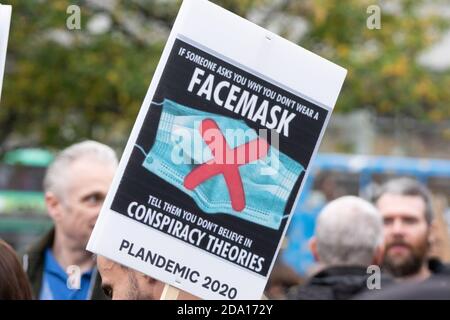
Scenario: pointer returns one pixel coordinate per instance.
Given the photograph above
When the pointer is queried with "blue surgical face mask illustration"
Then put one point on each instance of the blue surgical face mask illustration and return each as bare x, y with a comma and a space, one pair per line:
183, 157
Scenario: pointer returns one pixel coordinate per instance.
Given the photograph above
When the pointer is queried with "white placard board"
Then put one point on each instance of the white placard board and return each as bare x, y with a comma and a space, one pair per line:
5, 18
176, 212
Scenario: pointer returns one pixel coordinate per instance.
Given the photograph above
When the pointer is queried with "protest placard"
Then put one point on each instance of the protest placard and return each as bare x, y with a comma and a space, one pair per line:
217, 156
5, 18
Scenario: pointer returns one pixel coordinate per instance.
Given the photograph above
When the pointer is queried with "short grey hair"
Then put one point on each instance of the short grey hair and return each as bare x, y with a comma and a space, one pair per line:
55, 180
407, 187
348, 232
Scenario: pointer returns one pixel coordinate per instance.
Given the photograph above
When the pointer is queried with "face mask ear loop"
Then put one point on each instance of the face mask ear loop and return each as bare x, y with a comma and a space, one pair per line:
142, 149
138, 146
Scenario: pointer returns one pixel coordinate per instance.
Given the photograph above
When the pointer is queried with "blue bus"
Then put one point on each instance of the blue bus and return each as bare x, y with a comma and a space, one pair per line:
335, 175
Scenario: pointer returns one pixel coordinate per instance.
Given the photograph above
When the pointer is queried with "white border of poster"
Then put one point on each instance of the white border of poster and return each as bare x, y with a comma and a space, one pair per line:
296, 69
5, 18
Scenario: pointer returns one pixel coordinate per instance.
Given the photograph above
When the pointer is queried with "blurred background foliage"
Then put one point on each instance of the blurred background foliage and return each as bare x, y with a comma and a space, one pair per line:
65, 85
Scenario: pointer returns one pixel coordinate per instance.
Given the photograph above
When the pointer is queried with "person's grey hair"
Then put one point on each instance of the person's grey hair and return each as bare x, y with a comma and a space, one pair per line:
348, 232
407, 187
55, 180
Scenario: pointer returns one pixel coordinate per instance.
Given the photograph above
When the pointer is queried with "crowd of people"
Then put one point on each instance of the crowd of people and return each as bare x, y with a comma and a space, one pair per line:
376, 249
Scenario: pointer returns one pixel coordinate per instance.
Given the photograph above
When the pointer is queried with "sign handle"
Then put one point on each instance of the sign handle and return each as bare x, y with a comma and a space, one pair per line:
170, 293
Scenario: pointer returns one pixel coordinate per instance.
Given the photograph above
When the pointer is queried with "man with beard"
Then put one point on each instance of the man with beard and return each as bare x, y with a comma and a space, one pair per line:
407, 212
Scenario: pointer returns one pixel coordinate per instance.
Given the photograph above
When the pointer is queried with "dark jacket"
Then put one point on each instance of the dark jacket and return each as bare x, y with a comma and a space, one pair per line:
334, 283
437, 287
33, 264
438, 268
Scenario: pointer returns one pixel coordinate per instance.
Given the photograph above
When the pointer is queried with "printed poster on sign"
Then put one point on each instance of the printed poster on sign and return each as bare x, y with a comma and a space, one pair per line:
212, 169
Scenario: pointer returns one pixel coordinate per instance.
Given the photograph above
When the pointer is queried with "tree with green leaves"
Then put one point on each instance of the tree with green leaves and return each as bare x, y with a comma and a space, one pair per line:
62, 85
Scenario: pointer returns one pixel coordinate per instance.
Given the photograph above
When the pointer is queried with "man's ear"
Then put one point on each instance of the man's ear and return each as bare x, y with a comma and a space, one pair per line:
313, 247
53, 205
435, 239
378, 255
433, 234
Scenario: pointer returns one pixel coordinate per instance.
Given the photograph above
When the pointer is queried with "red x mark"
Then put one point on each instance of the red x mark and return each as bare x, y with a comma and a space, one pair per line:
221, 163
